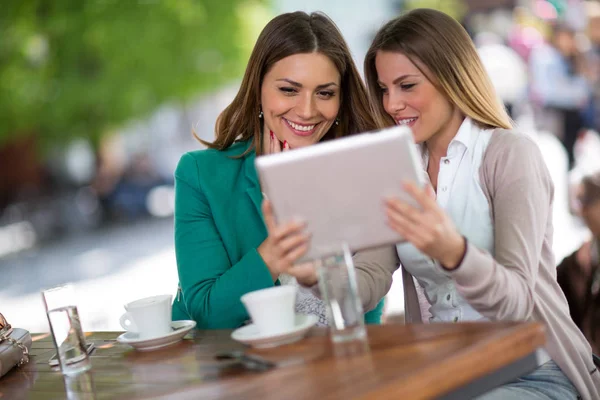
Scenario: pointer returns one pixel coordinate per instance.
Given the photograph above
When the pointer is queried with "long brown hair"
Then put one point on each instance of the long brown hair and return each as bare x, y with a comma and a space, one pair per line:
286, 35
435, 40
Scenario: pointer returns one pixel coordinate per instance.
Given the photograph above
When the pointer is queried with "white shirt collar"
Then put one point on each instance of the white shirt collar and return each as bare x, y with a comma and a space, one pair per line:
462, 140
464, 135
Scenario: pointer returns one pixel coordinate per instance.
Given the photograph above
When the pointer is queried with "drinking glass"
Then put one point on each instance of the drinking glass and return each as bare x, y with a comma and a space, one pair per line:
80, 386
339, 290
63, 317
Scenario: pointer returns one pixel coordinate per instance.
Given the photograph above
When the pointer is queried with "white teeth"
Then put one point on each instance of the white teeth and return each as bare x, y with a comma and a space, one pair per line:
301, 127
406, 121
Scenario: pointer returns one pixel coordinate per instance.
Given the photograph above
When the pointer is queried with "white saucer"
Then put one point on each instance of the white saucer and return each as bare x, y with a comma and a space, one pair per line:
250, 335
180, 328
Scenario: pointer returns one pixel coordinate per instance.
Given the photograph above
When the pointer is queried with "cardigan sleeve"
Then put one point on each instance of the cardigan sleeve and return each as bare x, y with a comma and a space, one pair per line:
211, 284
374, 275
374, 271
520, 190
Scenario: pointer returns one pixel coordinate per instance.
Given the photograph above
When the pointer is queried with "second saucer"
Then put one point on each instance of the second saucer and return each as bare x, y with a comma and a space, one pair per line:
251, 336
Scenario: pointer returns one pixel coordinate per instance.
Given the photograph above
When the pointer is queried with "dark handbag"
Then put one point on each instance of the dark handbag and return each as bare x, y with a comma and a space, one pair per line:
15, 344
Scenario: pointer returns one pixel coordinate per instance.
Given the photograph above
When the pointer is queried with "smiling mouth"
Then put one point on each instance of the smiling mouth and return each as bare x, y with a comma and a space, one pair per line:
299, 129
406, 121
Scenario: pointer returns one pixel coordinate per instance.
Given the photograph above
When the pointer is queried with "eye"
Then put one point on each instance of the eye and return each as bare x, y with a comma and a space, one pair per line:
406, 86
383, 90
288, 90
326, 94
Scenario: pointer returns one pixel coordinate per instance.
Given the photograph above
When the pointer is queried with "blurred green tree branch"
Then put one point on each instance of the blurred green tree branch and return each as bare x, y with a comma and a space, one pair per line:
454, 8
76, 68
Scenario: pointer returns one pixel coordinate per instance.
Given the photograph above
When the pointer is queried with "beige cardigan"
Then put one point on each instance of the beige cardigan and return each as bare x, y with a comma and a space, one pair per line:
519, 283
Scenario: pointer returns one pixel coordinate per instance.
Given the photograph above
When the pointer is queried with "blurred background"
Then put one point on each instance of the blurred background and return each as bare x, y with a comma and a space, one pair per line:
98, 100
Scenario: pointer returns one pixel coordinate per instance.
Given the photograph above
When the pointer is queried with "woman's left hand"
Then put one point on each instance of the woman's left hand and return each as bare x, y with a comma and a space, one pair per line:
305, 273
429, 229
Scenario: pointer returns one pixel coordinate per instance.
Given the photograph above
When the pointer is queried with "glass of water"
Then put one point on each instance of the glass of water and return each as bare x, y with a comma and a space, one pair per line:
337, 282
80, 386
63, 317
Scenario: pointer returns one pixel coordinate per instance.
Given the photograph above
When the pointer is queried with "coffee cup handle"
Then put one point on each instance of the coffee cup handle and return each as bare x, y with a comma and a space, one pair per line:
127, 322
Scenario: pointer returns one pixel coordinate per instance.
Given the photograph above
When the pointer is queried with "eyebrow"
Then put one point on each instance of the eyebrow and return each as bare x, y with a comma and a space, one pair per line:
299, 85
399, 79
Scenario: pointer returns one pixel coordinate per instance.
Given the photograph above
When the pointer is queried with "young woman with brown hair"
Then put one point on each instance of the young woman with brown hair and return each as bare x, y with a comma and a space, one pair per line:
300, 87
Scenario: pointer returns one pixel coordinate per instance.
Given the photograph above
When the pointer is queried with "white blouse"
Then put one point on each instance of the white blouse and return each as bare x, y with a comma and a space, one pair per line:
460, 194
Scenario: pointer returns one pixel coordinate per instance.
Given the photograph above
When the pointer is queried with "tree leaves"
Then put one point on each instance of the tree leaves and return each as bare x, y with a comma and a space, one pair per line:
71, 68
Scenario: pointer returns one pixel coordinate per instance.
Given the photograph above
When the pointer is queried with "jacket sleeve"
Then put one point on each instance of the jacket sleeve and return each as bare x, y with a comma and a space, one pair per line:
521, 193
211, 284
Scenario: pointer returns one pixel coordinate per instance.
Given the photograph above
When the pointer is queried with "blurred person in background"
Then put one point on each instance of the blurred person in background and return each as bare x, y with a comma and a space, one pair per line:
129, 198
300, 87
559, 89
481, 245
593, 56
579, 273
505, 67
587, 146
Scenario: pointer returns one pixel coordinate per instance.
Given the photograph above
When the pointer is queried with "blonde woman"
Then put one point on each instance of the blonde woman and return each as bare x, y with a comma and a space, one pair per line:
480, 245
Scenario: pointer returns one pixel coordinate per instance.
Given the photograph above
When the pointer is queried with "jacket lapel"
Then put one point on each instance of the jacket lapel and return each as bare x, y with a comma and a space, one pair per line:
255, 193
253, 190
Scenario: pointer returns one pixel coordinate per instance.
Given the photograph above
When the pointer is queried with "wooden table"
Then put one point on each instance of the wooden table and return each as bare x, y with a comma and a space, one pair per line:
410, 362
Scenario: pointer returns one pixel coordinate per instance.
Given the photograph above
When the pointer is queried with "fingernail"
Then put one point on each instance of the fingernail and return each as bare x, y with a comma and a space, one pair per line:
272, 136
285, 144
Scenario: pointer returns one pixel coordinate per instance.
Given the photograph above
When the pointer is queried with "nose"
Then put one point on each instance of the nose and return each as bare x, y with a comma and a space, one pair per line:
394, 102
306, 107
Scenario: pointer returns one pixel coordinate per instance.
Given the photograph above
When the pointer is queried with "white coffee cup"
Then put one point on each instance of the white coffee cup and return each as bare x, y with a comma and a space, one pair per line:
272, 310
148, 317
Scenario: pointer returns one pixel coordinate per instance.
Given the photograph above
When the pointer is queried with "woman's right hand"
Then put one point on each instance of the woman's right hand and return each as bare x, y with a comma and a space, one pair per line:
275, 146
285, 244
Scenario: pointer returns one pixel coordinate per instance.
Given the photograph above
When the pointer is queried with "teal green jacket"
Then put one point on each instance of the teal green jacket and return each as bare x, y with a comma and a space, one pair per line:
218, 228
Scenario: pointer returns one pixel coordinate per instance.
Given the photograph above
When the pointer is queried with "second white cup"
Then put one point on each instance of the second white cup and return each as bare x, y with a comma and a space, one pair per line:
273, 309
148, 317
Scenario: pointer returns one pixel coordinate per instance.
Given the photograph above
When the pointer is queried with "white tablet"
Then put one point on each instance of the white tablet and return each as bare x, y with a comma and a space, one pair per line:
338, 187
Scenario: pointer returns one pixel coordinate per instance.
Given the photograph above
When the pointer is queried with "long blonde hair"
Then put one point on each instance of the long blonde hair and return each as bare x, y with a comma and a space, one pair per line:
286, 35
435, 40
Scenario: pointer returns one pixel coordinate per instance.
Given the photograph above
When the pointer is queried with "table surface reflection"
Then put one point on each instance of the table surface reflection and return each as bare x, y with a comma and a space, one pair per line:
402, 361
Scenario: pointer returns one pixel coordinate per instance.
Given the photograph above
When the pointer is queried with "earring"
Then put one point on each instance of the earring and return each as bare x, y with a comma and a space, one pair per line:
260, 114
337, 121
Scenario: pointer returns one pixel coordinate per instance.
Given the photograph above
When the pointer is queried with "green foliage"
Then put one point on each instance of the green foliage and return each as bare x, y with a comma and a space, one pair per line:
73, 68
455, 8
